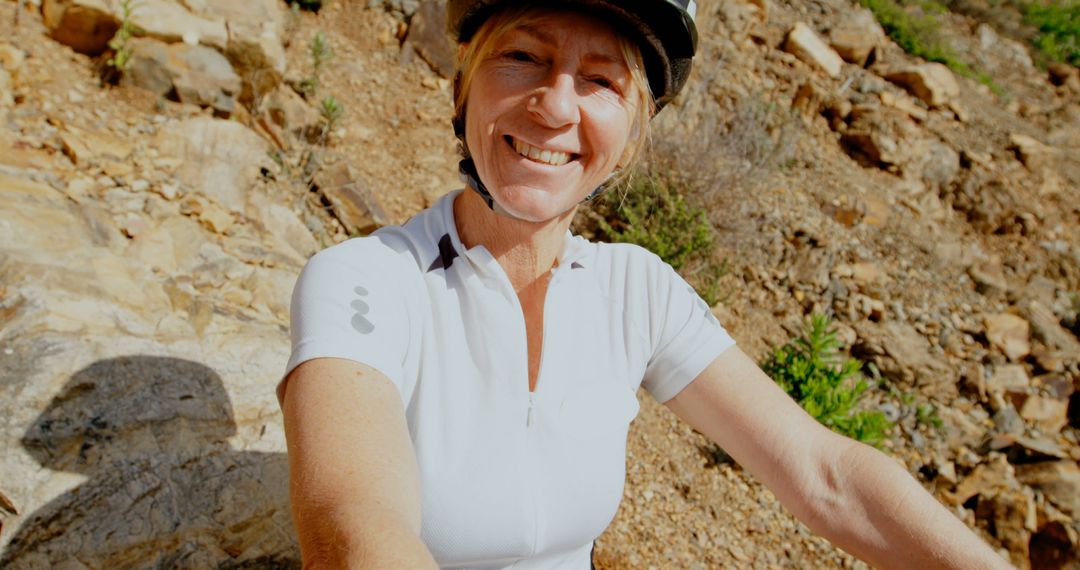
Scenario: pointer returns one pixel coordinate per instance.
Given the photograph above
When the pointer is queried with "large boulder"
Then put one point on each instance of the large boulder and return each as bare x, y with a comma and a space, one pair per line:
931, 82
248, 32
85, 25
219, 159
354, 203
804, 44
856, 37
140, 423
427, 37
198, 75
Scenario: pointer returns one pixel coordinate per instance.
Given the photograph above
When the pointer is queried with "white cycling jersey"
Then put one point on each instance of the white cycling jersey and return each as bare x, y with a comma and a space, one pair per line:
509, 478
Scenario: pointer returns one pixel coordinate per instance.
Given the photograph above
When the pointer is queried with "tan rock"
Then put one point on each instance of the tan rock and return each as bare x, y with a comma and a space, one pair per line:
255, 46
1013, 517
1059, 481
1010, 334
85, 25
171, 22
290, 113
354, 204
285, 226
154, 247
857, 36
220, 159
903, 355
1035, 155
989, 278
1048, 414
427, 36
7, 97
987, 480
13, 60
931, 82
1008, 377
84, 147
195, 74
865, 273
1047, 329
904, 104
803, 43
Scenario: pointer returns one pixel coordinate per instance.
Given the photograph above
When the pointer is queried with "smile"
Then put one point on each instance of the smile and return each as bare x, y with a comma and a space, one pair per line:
543, 156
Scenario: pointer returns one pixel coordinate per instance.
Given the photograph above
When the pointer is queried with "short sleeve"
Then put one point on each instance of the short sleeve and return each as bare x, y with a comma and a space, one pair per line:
351, 302
686, 336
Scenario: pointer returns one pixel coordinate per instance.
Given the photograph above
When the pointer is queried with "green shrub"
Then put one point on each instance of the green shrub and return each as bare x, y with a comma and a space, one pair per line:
654, 214
659, 219
1058, 25
809, 370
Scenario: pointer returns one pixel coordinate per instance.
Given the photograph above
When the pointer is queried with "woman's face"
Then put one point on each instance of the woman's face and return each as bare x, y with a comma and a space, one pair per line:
549, 113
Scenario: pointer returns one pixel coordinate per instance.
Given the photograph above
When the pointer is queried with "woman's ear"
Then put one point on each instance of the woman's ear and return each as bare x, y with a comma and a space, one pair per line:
461, 49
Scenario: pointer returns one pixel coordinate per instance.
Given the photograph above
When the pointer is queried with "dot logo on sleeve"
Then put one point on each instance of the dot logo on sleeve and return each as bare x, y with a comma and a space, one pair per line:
359, 321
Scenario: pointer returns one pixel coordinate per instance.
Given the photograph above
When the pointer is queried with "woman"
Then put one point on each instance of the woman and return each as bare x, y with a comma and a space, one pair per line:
479, 364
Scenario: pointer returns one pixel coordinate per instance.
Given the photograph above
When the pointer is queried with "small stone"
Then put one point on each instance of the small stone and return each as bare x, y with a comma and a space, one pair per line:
857, 36
168, 191
803, 43
1035, 155
989, 278
1047, 329
1059, 481
931, 82
1048, 414
1008, 377
1007, 421
140, 185
1010, 334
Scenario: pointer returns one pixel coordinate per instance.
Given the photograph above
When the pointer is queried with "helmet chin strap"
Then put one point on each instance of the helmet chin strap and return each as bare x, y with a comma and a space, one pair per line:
469, 176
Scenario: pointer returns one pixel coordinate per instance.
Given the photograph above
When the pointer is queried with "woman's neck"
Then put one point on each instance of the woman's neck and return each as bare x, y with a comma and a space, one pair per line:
525, 250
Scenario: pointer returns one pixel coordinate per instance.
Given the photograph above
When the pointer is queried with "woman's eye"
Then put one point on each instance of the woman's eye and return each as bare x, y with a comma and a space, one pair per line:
518, 55
603, 82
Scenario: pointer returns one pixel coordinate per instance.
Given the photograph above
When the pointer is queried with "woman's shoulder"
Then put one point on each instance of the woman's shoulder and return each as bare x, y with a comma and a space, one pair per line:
626, 258
400, 248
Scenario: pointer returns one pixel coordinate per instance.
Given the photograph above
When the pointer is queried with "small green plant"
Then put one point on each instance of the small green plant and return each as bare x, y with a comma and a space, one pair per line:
1058, 25
927, 415
320, 53
810, 371
331, 111
120, 44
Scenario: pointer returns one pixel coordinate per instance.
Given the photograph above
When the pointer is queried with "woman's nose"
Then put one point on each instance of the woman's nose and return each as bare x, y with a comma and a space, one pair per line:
556, 103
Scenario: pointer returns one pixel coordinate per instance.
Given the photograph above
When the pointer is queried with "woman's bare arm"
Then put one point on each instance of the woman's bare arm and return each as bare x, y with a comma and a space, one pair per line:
846, 491
353, 479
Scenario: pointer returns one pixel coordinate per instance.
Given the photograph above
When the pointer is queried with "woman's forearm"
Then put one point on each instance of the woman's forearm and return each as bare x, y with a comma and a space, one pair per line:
370, 541
881, 514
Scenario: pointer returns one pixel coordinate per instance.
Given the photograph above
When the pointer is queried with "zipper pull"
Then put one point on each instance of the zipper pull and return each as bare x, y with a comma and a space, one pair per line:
529, 414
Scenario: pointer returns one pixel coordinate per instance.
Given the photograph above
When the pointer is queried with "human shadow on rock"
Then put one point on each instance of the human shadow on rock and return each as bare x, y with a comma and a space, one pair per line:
164, 488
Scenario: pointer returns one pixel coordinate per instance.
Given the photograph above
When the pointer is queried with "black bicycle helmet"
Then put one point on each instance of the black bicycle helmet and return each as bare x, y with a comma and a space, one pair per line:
665, 30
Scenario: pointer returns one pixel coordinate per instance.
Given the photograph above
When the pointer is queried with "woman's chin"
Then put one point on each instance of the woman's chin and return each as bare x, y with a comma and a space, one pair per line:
534, 205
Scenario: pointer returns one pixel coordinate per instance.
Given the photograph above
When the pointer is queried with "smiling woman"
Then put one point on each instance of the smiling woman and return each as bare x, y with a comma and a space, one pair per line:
461, 386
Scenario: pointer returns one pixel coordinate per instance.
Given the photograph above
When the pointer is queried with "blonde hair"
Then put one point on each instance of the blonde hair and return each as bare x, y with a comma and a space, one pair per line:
483, 43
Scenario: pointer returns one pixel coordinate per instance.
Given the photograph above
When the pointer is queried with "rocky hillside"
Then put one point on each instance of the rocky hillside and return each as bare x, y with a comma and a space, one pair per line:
152, 222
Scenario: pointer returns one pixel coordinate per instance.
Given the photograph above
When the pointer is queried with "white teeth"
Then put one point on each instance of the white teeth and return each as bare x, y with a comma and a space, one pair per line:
539, 155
